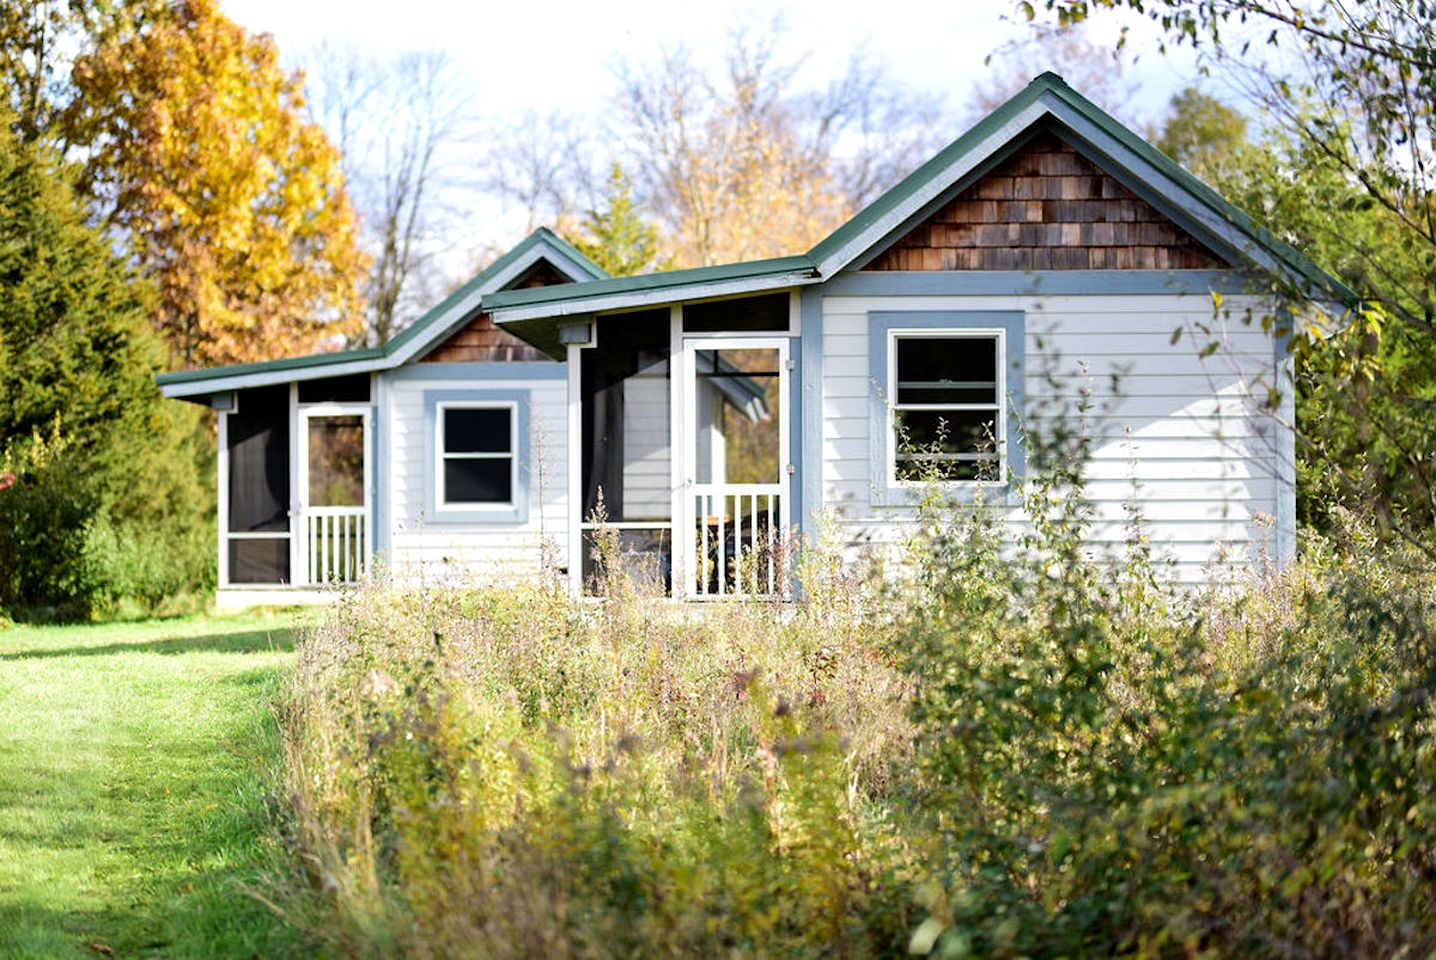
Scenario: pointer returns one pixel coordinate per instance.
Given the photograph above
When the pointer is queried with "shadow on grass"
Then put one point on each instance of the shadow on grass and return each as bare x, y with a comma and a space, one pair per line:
247, 641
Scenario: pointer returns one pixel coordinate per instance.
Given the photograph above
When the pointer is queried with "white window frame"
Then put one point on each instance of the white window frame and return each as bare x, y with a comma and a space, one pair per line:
441, 501
999, 407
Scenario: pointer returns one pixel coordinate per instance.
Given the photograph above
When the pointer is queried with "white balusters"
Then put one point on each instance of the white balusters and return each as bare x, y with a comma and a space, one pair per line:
338, 544
736, 540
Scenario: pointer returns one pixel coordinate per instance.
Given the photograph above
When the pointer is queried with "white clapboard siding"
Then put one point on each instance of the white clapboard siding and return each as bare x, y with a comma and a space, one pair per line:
423, 551
1189, 440
647, 467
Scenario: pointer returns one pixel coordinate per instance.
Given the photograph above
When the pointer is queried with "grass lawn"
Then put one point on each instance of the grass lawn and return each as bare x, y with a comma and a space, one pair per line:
134, 761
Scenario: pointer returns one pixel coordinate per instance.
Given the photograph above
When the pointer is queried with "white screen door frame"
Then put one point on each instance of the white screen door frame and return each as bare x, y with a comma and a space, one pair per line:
712, 543
331, 544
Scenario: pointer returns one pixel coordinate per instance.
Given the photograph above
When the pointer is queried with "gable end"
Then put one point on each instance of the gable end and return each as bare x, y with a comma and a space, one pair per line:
480, 341
1046, 207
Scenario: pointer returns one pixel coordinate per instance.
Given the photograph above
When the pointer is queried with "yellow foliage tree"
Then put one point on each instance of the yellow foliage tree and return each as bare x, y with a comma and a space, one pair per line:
747, 192
735, 167
197, 154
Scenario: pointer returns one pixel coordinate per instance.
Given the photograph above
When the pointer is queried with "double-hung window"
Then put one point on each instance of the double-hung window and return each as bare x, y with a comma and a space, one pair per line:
948, 423
477, 462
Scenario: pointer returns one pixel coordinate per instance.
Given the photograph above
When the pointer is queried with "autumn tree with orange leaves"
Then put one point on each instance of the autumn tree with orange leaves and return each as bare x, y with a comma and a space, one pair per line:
196, 156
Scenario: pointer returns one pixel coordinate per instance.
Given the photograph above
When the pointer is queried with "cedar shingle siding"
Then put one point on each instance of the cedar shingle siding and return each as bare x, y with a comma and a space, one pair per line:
479, 341
1047, 207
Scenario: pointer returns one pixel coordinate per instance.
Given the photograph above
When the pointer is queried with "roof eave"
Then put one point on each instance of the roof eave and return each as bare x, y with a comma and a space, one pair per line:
583, 304
183, 385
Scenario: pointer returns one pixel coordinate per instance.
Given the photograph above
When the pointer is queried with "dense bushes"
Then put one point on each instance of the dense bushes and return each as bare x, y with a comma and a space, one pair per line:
1016, 753
109, 490
1106, 774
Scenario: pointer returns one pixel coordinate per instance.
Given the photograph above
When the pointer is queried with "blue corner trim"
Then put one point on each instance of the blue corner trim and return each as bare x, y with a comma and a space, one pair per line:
383, 470
1013, 324
518, 512
1037, 282
525, 370
795, 429
810, 413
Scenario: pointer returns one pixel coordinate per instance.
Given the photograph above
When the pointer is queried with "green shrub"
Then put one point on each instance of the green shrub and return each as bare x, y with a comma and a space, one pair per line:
107, 496
1105, 773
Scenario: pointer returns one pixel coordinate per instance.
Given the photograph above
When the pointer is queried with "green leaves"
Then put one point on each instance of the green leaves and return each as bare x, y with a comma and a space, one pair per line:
1132, 775
110, 501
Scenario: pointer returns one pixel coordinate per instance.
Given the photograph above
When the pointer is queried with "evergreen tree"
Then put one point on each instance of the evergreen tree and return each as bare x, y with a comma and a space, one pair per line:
618, 238
105, 494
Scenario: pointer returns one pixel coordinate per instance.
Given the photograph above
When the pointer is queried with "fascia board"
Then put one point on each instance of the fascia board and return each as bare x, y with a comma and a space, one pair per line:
190, 389
651, 297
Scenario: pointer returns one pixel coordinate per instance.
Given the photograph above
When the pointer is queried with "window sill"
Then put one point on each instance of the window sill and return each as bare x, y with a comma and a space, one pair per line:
500, 513
998, 493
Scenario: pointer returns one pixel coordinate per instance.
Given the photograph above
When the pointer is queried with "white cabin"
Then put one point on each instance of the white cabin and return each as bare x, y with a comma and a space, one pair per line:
719, 413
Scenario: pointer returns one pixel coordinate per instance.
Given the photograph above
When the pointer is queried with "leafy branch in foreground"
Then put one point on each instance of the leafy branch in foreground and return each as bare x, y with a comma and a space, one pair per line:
1345, 170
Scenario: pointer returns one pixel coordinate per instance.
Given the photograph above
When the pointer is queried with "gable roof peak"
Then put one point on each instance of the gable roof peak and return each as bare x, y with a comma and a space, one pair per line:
1151, 174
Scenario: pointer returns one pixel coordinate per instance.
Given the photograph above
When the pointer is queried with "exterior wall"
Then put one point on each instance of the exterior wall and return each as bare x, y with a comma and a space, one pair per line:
1180, 435
424, 547
647, 466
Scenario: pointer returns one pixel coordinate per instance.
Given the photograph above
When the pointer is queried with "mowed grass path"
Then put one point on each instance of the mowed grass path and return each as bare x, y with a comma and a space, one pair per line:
134, 762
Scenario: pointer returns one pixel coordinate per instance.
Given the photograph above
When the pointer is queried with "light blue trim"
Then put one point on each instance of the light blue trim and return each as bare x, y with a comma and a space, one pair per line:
1284, 380
810, 412
519, 512
794, 400
1037, 282
880, 323
382, 470
524, 370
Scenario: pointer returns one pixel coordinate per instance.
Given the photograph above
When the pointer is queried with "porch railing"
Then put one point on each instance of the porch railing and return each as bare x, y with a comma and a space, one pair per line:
738, 539
337, 544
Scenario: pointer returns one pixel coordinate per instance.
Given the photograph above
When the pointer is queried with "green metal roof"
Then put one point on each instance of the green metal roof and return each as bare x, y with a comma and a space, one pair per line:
419, 328
828, 258
866, 218
1293, 258
265, 366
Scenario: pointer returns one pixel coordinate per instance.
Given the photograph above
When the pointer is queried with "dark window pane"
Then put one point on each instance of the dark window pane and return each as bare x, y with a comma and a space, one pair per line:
477, 431
258, 440
923, 470
946, 370
625, 388
486, 480
259, 561
350, 389
946, 431
769, 313
946, 445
